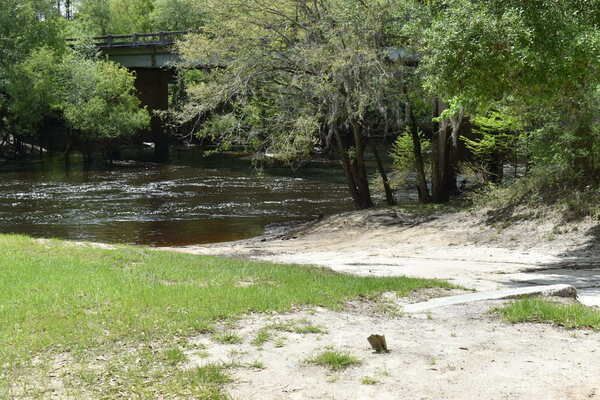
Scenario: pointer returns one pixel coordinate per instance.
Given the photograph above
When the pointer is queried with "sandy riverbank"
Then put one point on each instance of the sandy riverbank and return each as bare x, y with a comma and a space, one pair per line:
467, 248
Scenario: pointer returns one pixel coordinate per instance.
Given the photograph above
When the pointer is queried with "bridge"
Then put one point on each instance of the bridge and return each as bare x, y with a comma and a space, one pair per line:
151, 57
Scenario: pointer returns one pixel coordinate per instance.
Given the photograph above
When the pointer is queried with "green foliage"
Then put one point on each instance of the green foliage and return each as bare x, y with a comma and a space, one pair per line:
539, 310
178, 15
534, 50
102, 17
100, 98
498, 132
539, 58
499, 135
24, 26
36, 89
403, 156
96, 98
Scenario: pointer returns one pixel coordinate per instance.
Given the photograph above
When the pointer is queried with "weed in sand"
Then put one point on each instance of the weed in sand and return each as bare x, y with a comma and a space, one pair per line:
262, 337
539, 310
388, 308
202, 327
257, 364
211, 374
228, 338
202, 354
334, 360
369, 381
302, 326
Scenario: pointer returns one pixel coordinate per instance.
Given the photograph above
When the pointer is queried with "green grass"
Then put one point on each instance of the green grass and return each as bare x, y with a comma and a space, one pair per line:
228, 338
262, 337
334, 360
212, 374
539, 310
257, 364
174, 356
301, 326
369, 381
58, 297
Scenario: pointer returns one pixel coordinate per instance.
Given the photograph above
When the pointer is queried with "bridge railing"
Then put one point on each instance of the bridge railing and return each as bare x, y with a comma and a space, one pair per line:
138, 39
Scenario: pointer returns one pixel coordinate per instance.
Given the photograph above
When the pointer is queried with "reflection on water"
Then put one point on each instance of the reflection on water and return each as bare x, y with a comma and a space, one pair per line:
196, 201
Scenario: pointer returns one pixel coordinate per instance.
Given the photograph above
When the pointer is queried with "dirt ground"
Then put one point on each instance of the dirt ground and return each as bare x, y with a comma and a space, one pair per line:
455, 352
459, 352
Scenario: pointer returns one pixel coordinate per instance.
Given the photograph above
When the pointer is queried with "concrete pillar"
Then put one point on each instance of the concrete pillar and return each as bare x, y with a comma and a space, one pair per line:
152, 85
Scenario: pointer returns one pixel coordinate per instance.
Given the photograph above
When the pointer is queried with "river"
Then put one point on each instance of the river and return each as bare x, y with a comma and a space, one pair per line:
192, 200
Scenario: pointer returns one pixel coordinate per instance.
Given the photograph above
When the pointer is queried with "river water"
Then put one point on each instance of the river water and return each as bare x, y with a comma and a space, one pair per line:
193, 200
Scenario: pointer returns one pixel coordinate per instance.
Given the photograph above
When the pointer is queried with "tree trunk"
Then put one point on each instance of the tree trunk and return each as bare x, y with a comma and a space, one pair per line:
355, 179
389, 196
439, 165
361, 178
443, 175
347, 168
422, 189
495, 169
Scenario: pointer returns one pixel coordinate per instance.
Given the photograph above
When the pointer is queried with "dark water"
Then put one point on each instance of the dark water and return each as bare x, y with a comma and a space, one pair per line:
191, 201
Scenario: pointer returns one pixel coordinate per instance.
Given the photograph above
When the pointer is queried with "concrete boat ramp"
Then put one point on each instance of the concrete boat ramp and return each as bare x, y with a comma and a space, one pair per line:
547, 290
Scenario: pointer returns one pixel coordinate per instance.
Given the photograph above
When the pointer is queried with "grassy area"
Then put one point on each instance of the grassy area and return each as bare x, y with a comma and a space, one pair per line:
118, 310
539, 310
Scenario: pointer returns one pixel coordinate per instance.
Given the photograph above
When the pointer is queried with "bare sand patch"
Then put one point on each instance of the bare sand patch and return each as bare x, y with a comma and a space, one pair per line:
459, 352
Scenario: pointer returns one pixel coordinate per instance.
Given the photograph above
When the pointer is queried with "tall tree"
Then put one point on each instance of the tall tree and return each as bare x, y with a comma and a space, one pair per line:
24, 26
95, 97
294, 73
539, 56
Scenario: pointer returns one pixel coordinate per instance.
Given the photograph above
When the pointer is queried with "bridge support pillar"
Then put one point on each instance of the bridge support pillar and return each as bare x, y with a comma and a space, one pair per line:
152, 85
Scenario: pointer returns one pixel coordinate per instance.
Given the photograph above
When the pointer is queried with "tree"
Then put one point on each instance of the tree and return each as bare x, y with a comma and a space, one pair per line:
540, 57
498, 133
178, 15
100, 101
95, 16
24, 26
96, 98
293, 74
103, 17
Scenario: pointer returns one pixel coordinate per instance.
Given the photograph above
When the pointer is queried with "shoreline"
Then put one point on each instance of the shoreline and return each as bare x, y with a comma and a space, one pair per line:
461, 247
